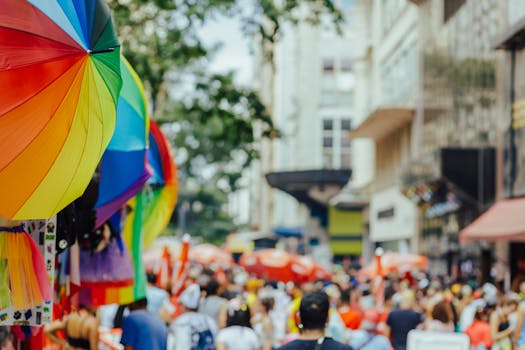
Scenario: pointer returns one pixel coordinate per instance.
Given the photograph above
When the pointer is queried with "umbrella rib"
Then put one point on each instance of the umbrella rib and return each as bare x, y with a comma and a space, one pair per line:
44, 126
56, 58
79, 48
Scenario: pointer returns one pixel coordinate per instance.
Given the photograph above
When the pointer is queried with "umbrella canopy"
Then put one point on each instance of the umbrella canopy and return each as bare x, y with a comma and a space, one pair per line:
208, 254
60, 73
270, 264
395, 263
159, 195
306, 269
123, 170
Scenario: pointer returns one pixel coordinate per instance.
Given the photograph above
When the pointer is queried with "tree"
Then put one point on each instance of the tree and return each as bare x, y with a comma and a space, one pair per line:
213, 119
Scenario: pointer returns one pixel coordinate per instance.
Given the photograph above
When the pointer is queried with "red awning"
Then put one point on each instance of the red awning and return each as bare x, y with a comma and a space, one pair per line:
505, 220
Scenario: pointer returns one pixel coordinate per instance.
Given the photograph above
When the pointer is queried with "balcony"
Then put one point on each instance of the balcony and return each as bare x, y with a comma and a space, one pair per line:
382, 122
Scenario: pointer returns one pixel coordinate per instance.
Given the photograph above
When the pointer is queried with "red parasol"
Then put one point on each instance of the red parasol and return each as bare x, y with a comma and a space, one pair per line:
210, 255
394, 263
306, 269
269, 264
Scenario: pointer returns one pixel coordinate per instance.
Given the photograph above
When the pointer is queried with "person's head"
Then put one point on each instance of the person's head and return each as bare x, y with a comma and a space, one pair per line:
152, 278
345, 296
253, 285
509, 306
212, 287
140, 304
90, 309
481, 314
313, 311
371, 319
264, 305
407, 300
442, 312
190, 298
6, 338
238, 313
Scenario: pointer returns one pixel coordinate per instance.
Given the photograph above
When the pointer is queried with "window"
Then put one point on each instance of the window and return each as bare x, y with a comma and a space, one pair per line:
336, 149
346, 65
451, 7
328, 65
328, 124
328, 142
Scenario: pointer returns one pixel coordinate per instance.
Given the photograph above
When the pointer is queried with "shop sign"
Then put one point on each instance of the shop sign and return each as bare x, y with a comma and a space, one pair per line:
518, 114
392, 216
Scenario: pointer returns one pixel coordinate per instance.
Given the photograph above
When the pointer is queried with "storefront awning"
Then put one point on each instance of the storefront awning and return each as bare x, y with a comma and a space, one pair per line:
382, 122
288, 231
505, 220
310, 187
513, 39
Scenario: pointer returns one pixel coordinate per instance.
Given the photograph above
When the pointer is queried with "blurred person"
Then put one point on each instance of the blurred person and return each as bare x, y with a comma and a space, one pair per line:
211, 303
157, 297
368, 336
142, 329
111, 315
500, 327
351, 317
336, 327
519, 335
252, 288
193, 330
80, 327
313, 317
263, 323
468, 312
479, 331
295, 294
7, 340
402, 321
279, 313
441, 318
238, 334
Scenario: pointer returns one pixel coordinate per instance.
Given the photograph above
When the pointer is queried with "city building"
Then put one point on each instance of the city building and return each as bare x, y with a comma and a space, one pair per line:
430, 78
310, 91
503, 223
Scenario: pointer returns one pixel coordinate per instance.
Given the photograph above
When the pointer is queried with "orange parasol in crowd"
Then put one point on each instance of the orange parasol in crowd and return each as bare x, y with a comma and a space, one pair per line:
394, 263
306, 269
210, 255
269, 264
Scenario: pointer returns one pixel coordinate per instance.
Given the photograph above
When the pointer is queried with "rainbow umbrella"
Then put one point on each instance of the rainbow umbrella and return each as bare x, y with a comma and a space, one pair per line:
155, 203
60, 78
123, 170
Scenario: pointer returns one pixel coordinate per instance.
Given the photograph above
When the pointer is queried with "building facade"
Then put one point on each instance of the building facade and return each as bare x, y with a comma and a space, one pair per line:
431, 80
310, 90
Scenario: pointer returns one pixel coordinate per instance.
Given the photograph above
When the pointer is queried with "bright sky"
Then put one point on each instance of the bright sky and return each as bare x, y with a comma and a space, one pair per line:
234, 54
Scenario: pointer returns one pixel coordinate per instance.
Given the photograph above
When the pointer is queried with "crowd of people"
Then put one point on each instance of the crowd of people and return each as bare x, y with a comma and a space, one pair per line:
237, 312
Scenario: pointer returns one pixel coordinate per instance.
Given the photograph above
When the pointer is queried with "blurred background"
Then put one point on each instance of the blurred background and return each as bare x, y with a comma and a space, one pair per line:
334, 127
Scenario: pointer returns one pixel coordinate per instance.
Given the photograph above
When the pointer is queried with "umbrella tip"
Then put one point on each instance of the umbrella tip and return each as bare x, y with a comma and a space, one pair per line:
379, 251
93, 52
